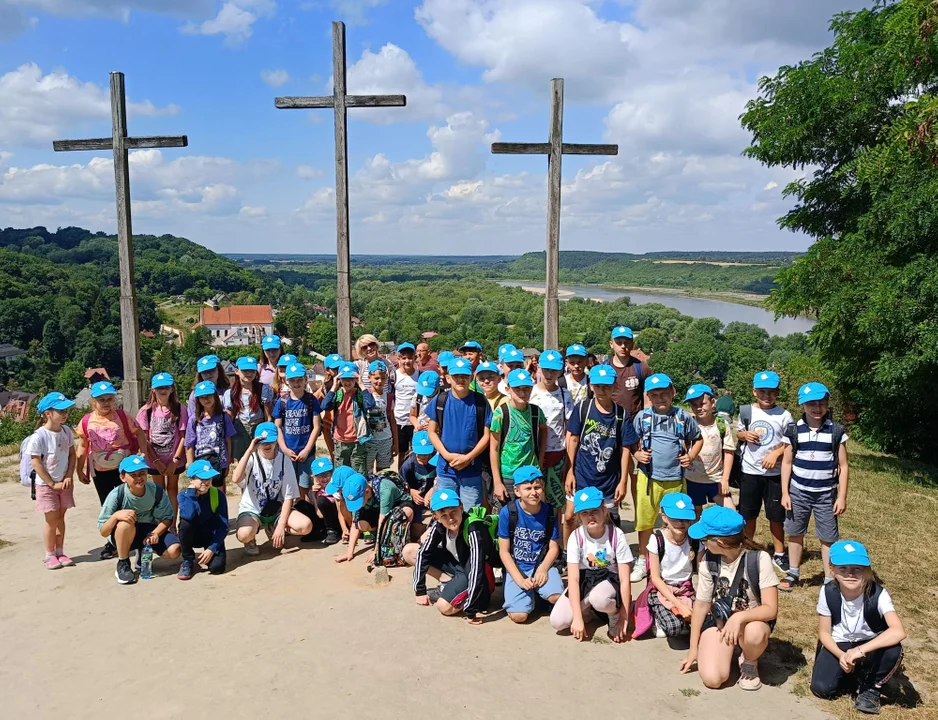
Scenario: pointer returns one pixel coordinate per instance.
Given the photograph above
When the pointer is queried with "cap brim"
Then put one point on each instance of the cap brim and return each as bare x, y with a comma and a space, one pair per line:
592, 505
331, 488
698, 531
678, 514
354, 505
840, 560
603, 381
62, 405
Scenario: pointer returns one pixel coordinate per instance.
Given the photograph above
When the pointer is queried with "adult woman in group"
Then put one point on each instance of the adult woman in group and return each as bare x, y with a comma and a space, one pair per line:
366, 348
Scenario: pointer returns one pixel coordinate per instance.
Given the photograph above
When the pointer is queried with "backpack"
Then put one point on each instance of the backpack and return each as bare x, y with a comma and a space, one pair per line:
480, 402
562, 383
158, 499
394, 477
393, 534
647, 421
837, 438
871, 614
745, 417
132, 446
751, 569
490, 522
361, 422
548, 529
583, 408
506, 423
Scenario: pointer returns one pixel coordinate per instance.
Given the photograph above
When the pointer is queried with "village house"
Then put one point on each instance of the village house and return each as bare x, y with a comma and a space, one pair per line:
237, 325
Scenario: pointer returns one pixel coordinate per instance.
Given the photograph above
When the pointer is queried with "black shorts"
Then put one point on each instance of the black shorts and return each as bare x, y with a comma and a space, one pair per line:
756, 491
456, 590
370, 516
142, 530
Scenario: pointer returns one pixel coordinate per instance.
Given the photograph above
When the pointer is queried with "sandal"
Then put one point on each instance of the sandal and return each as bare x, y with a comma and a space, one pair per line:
787, 584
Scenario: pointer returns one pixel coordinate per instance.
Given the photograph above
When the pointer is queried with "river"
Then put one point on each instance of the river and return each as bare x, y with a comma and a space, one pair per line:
725, 312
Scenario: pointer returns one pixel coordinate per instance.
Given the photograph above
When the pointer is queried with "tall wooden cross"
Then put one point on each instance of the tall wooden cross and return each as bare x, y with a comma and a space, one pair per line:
120, 143
339, 101
555, 149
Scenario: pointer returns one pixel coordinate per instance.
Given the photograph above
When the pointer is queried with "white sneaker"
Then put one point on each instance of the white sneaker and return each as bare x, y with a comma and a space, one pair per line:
640, 570
659, 631
250, 548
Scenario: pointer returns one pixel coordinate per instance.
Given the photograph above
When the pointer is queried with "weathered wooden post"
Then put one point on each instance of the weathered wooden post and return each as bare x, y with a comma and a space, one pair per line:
120, 143
555, 148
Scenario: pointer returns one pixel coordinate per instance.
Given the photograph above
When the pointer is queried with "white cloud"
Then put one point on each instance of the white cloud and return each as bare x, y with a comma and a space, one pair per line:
36, 109
771, 185
275, 78
355, 12
235, 20
307, 172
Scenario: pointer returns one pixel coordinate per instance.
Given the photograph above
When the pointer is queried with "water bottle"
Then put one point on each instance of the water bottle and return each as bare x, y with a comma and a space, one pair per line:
146, 562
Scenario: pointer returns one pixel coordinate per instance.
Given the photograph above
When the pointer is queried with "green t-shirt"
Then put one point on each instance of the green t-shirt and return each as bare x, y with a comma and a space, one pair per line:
518, 449
143, 506
391, 496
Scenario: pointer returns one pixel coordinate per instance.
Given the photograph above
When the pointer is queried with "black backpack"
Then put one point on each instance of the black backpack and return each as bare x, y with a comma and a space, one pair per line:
506, 423
835, 602
120, 496
480, 402
752, 573
745, 417
548, 529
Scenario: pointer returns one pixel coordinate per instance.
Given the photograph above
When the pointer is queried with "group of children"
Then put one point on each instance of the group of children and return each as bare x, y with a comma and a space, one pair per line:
507, 468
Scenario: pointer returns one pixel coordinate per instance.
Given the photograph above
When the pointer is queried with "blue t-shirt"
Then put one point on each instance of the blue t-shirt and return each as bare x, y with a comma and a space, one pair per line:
297, 422
530, 535
669, 436
597, 463
459, 434
416, 476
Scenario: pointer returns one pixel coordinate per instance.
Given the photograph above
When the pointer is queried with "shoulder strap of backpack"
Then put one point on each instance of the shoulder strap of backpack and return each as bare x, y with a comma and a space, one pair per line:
613, 539
213, 498
659, 537
84, 433
481, 404
441, 397
837, 438
584, 413
752, 573
713, 566
512, 524
562, 381
535, 434
159, 496
131, 439
578, 534
745, 415
120, 496
835, 602
505, 410
639, 374
871, 613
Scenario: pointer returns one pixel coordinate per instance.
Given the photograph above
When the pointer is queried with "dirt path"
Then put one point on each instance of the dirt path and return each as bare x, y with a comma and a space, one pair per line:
293, 632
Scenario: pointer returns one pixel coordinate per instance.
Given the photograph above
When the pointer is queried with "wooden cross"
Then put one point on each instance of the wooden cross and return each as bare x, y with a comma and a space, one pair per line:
555, 149
120, 143
340, 102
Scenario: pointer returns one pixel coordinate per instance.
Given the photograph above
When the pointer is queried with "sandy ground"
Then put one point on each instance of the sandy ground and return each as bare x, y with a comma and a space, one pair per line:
291, 631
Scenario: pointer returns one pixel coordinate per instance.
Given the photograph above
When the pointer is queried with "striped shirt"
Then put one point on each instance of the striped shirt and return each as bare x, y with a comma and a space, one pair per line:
814, 468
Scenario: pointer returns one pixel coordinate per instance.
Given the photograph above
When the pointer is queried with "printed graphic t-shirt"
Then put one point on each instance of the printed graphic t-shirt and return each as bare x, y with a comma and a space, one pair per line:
770, 426
163, 433
597, 463
557, 407
108, 440
708, 467
518, 449
530, 535
297, 420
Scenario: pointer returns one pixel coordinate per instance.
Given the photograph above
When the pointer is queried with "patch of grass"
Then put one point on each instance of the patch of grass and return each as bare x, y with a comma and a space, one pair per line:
689, 692
181, 317
4, 543
891, 508
9, 463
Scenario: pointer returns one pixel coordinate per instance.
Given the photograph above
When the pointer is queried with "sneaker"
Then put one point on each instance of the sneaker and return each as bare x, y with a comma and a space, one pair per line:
123, 573
332, 537
250, 548
369, 537
108, 552
640, 571
787, 583
659, 631
65, 560
499, 576
749, 674
780, 561
868, 701
52, 563
185, 570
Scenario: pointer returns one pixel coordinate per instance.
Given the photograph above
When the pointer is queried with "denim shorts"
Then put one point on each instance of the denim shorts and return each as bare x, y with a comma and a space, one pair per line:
524, 601
471, 490
821, 504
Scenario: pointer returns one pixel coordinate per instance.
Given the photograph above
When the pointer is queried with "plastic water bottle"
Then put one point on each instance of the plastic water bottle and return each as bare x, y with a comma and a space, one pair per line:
146, 563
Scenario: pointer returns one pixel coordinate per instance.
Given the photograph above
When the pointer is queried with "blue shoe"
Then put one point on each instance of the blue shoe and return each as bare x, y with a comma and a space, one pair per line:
185, 570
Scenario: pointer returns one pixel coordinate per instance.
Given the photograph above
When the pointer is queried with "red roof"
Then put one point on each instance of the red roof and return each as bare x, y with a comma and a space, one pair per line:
91, 372
238, 315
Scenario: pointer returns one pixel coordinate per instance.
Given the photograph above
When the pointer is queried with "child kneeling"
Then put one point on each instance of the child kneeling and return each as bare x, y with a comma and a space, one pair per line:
457, 548
203, 522
671, 564
598, 567
859, 631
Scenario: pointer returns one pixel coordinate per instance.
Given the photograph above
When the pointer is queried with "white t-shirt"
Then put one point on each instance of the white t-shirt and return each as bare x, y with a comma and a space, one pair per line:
708, 466
256, 493
770, 425
557, 407
54, 446
676, 565
579, 390
451, 543
852, 626
404, 390
592, 553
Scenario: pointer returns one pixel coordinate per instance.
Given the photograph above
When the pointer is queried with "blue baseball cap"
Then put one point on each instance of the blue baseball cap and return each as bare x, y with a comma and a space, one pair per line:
406, 346
421, 444
271, 342
206, 387
286, 359
445, 358
576, 350
459, 366
246, 362
443, 499
55, 401
353, 492
161, 380
512, 356
333, 361
602, 375
102, 388
812, 391
526, 474
471, 345
588, 498
266, 432
696, 391
488, 366
207, 362
295, 371
133, 463
202, 469
504, 350
339, 476
551, 360
435, 460
717, 521
765, 380
658, 381
321, 465
621, 331
678, 506
348, 372
427, 383
519, 378
849, 552
377, 366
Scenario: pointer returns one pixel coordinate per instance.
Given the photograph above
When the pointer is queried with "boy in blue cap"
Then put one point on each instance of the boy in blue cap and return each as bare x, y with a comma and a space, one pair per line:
137, 513
405, 389
576, 380
203, 522
510, 359
631, 372
519, 435
418, 474
472, 351
763, 426
528, 546
350, 406
708, 478
557, 405
333, 489
297, 420
371, 500
459, 431
455, 551
814, 479
428, 385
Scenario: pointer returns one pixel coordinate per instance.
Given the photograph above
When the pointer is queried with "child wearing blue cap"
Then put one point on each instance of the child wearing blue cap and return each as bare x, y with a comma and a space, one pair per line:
428, 386
456, 550
405, 390
249, 402
598, 564
419, 474
208, 369
279, 386
203, 522
859, 633
814, 479
269, 489
319, 506
163, 421
137, 513
371, 500
671, 563
510, 359
51, 461
209, 432
557, 405
519, 436
737, 601
708, 478
762, 428
575, 379
381, 449
349, 405
528, 546
269, 357
297, 419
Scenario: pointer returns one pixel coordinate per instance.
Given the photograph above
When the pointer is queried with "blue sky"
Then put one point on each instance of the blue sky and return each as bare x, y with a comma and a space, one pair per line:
665, 79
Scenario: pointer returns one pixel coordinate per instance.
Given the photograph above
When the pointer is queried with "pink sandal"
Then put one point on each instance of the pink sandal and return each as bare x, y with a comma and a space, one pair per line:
65, 561
52, 563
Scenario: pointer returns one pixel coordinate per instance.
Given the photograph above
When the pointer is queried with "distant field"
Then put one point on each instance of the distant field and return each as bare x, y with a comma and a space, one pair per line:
178, 315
